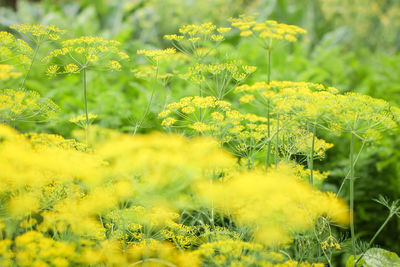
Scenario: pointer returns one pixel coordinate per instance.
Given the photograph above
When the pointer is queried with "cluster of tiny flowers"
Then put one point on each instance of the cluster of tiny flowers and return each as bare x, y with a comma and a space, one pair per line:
194, 38
235, 69
269, 29
194, 33
40, 32
21, 105
157, 53
80, 120
14, 51
329, 243
86, 52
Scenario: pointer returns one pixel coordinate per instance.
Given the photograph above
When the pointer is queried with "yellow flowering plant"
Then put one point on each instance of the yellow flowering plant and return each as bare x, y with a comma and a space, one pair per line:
198, 41
37, 34
86, 53
218, 80
22, 105
15, 57
266, 33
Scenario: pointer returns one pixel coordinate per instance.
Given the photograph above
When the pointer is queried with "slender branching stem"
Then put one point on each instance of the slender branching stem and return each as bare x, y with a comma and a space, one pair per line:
311, 157
351, 156
277, 141
269, 65
348, 173
86, 106
147, 110
85, 96
375, 235
269, 137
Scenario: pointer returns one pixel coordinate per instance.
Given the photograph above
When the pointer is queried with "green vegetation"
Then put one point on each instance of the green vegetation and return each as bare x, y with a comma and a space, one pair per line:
199, 133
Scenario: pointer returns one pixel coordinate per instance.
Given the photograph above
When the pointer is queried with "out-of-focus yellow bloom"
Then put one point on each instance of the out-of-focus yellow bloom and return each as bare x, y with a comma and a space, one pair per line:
276, 204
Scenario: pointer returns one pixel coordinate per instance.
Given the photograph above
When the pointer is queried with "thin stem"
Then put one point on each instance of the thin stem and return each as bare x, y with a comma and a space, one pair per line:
85, 96
353, 238
200, 94
30, 67
311, 160
277, 140
348, 173
269, 137
269, 65
139, 124
376, 234
86, 107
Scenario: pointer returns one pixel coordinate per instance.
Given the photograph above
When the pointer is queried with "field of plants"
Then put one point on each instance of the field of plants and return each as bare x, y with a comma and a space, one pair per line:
200, 133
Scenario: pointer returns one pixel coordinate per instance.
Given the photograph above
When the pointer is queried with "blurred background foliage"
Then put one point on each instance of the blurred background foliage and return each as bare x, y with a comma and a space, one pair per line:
352, 45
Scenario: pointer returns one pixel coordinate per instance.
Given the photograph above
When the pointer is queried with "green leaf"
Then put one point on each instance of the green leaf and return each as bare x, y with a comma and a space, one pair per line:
376, 257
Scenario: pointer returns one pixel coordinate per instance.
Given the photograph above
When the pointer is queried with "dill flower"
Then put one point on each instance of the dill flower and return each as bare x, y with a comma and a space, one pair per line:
194, 37
256, 199
22, 105
80, 120
268, 30
226, 76
87, 53
157, 54
40, 32
14, 51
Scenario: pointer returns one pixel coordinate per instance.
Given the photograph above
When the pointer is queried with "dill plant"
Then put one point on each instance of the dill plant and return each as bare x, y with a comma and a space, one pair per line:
266, 33
82, 54
38, 34
155, 58
128, 200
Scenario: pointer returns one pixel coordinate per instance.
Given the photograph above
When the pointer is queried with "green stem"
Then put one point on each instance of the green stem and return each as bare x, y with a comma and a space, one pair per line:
200, 94
353, 238
269, 137
86, 106
348, 173
30, 67
376, 234
269, 65
311, 162
139, 124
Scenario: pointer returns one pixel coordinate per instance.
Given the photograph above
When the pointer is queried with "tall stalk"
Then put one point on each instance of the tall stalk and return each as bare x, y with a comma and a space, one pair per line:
353, 238
86, 107
311, 156
269, 137
269, 50
277, 140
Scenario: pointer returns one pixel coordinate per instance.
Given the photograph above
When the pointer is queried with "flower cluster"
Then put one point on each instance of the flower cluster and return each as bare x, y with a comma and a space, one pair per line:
86, 53
80, 120
155, 55
223, 76
268, 30
22, 105
14, 51
198, 40
40, 32
256, 199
